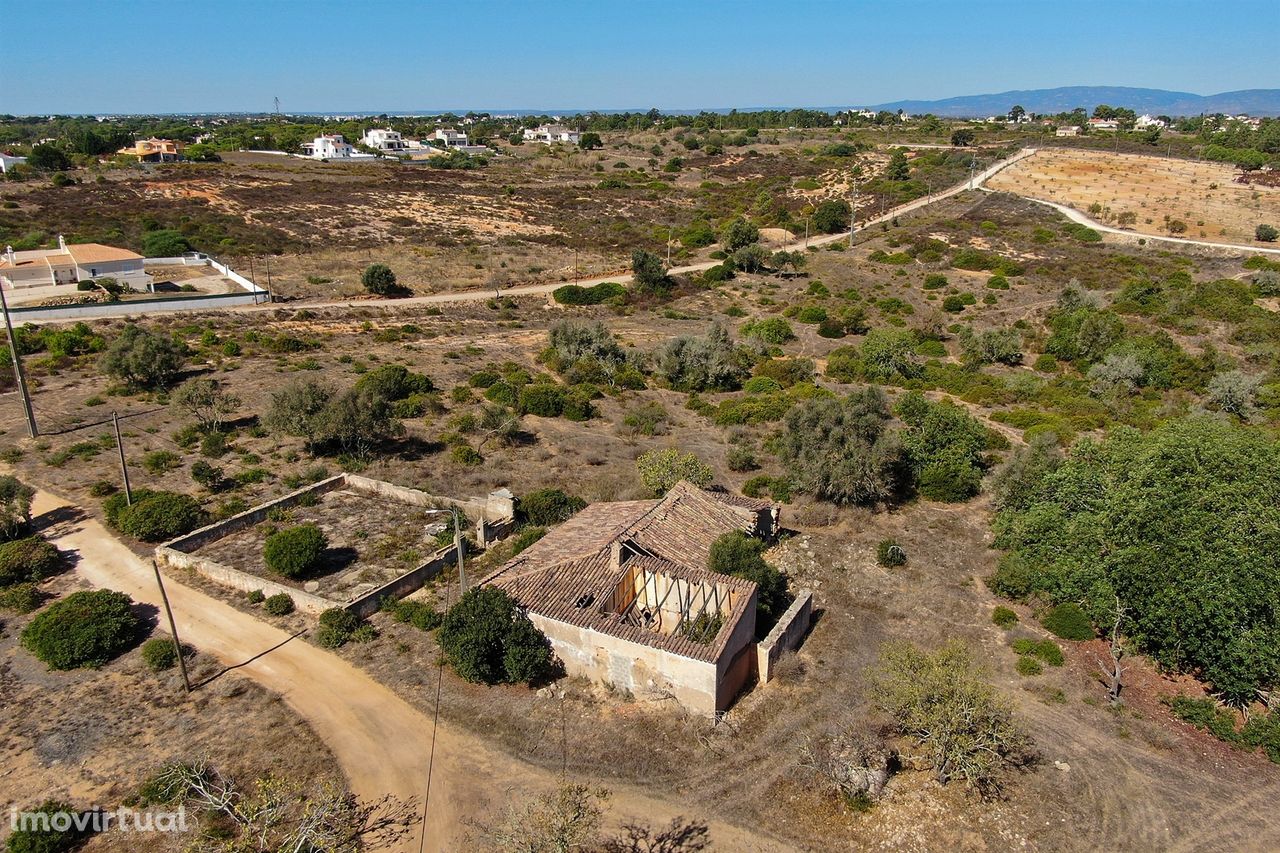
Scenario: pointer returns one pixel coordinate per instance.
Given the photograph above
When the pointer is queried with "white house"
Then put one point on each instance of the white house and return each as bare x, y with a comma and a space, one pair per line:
550, 134
383, 139
332, 146
7, 161
450, 137
71, 263
1070, 130
1104, 124
1145, 121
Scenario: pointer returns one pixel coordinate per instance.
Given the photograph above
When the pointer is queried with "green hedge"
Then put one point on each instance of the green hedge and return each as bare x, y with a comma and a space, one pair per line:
576, 294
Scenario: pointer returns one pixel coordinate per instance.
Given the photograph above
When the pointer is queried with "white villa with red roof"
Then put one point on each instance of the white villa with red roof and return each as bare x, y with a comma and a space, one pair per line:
71, 263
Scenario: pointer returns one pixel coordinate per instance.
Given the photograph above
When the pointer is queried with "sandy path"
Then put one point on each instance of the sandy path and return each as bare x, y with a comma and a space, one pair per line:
381, 742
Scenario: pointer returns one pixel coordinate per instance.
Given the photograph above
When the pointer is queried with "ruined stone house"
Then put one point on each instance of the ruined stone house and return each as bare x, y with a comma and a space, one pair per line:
623, 593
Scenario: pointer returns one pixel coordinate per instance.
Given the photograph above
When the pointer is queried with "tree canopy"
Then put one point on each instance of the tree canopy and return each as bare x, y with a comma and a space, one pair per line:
1180, 526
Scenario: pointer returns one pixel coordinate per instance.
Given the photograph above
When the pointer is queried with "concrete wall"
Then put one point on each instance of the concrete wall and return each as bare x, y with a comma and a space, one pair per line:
135, 307
178, 552
406, 583
197, 539
243, 581
786, 635
640, 669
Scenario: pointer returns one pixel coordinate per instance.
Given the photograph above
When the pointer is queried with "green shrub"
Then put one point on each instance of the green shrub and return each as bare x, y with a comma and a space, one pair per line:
159, 653
544, 400
662, 469
465, 454
957, 302
159, 461
39, 840
280, 604
214, 445
1028, 665
772, 330
419, 614
741, 459
546, 507
487, 638
935, 281
949, 480
154, 516
28, 560
1068, 621
338, 626
889, 553
256, 596
85, 629
526, 537
295, 552
21, 598
1004, 618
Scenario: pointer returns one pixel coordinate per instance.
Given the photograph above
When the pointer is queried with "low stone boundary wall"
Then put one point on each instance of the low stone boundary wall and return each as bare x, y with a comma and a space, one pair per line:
786, 635
243, 581
408, 582
179, 552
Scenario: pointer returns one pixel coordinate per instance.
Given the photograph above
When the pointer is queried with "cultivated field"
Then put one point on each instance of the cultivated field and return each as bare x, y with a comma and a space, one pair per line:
1155, 190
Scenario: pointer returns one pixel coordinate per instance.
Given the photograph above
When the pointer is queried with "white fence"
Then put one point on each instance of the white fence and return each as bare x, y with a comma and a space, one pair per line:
252, 295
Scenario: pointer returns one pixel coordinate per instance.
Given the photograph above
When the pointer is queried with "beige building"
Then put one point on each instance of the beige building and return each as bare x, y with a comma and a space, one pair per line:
155, 150
623, 593
71, 263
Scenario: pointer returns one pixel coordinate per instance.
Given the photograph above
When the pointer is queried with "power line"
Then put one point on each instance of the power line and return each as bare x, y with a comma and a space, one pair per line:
435, 726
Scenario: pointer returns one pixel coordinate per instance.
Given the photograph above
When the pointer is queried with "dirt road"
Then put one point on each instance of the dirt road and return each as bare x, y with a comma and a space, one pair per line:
382, 743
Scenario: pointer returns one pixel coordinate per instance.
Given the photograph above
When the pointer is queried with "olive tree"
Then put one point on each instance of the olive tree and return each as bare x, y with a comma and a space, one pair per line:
843, 450
963, 728
142, 358
205, 400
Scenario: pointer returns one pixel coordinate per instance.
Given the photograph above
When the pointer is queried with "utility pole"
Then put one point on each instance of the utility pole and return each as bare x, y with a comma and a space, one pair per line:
124, 469
457, 541
18, 376
853, 214
267, 260
173, 626
253, 276
670, 234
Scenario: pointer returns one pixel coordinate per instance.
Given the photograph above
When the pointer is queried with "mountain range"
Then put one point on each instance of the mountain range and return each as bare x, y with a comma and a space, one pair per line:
1255, 102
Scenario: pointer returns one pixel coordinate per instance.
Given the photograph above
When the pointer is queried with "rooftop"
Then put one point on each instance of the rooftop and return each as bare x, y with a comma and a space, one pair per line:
592, 570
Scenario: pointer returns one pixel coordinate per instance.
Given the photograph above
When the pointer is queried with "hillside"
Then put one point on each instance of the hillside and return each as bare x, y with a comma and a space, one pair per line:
1261, 102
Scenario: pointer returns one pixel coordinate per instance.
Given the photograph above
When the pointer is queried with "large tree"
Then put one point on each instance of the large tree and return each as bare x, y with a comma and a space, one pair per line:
1179, 526
142, 358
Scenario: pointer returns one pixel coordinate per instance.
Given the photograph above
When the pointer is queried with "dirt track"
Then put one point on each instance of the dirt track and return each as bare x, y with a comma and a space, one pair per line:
381, 742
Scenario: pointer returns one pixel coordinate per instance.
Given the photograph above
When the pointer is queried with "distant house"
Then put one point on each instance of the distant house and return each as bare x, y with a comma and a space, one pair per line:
8, 161
1103, 124
381, 139
550, 134
1144, 122
450, 137
71, 263
1070, 130
623, 592
332, 146
155, 150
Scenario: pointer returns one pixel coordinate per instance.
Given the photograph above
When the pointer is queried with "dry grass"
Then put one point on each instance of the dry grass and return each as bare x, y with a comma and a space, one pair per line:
1203, 195
92, 737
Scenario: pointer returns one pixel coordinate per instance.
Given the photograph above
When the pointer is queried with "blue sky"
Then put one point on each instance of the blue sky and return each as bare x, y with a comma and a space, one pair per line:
98, 56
